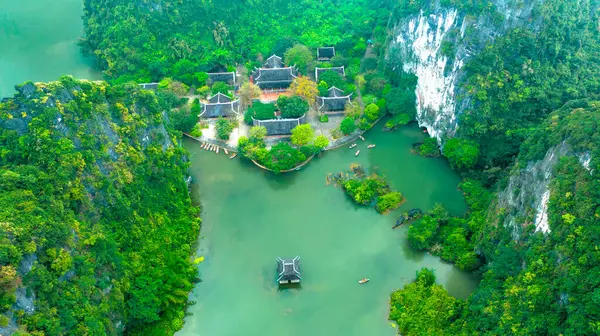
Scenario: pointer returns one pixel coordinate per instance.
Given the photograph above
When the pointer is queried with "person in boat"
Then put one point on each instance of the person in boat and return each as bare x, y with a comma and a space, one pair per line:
362, 281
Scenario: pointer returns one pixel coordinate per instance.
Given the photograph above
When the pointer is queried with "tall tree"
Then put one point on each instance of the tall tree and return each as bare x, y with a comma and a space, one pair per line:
300, 56
302, 135
248, 91
304, 87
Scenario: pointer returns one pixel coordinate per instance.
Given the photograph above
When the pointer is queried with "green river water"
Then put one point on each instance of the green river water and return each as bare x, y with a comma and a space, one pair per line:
250, 217
38, 42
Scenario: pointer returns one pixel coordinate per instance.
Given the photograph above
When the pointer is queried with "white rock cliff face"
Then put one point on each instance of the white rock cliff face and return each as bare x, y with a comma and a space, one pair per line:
525, 199
420, 47
417, 45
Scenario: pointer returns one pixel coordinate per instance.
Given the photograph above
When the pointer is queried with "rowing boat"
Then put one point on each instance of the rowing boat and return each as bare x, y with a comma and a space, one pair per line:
363, 281
357, 152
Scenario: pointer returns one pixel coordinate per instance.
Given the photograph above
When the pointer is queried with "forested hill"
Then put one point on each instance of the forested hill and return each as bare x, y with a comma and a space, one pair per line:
96, 224
541, 275
151, 40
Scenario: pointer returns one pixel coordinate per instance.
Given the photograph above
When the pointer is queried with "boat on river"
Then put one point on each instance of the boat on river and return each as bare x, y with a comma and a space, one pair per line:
225, 150
352, 146
357, 152
370, 146
217, 149
363, 281
233, 155
361, 138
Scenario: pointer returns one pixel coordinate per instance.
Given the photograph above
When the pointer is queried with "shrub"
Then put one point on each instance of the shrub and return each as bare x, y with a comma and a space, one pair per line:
224, 128
429, 147
324, 118
388, 201
292, 107
321, 141
221, 87
260, 111
332, 78
372, 112
258, 134
203, 91
196, 131
364, 124
347, 126
302, 134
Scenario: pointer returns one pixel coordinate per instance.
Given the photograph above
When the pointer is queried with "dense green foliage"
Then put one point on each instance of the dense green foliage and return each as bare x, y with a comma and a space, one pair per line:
302, 135
347, 126
370, 190
93, 189
259, 111
224, 128
423, 307
429, 147
292, 107
181, 39
534, 283
453, 238
372, 112
522, 77
461, 153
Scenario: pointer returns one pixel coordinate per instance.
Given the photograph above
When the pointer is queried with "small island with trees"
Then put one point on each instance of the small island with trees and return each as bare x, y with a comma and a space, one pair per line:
371, 190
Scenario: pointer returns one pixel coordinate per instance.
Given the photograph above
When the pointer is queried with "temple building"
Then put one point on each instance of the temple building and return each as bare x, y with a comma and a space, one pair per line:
339, 70
220, 105
335, 101
325, 53
288, 271
273, 75
225, 77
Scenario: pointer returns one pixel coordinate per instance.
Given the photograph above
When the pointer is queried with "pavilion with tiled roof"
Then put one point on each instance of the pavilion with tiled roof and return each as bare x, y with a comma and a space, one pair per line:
225, 77
325, 53
335, 101
220, 105
273, 75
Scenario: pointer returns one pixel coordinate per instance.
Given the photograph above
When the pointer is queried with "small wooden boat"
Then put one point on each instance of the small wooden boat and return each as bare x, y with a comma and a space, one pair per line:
217, 149
352, 146
363, 281
357, 152
225, 150
361, 138
233, 155
370, 146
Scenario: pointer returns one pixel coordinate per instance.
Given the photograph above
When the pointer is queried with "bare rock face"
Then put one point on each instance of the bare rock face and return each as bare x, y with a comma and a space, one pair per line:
435, 44
525, 199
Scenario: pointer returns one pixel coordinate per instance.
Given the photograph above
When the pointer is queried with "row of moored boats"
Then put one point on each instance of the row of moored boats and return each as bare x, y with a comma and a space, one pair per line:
358, 151
214, 148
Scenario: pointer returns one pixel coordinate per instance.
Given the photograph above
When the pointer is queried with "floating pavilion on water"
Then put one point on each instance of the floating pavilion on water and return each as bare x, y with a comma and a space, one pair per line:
288, 271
